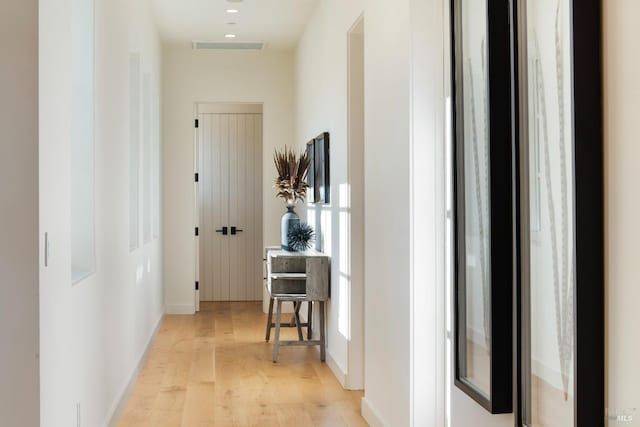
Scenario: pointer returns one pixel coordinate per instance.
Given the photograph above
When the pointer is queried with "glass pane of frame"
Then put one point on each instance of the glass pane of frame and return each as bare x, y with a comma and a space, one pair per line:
551, 208
476, 356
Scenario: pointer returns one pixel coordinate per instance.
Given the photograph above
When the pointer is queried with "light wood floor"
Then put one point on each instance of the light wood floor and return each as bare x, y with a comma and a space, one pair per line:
215, 369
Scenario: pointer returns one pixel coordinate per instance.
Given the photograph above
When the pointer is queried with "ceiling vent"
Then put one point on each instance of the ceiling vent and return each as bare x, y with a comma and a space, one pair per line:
228, 45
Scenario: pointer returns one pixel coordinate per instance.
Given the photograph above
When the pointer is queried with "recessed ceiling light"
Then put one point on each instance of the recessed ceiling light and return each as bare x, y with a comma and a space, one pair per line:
231, 23
230, 36
232, 11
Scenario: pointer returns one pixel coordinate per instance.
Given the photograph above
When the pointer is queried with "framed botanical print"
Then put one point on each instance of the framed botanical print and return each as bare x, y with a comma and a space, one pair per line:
483, 202
319, 173
558, 104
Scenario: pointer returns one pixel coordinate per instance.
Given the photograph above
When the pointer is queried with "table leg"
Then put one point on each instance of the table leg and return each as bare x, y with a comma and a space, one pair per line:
297, 317
309, 318
322, 335
292, 323
276, 344
269, 320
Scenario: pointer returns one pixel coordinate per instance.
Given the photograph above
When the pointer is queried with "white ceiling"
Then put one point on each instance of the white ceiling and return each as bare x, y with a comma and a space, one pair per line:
279, 23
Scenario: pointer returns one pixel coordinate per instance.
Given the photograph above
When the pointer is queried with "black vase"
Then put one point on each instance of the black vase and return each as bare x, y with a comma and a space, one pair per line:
289, 220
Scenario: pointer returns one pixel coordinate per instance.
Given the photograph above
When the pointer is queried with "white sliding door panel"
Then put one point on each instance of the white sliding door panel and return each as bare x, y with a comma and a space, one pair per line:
246, 273
238, 193
220, 210
214, 196
230, 195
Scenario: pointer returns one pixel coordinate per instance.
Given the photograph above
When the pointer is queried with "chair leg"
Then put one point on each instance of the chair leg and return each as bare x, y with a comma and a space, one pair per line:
322, 336
309, 318
269, 320
276, 344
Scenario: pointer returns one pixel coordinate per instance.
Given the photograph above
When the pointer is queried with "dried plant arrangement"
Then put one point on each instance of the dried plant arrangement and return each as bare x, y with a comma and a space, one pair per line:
292, 169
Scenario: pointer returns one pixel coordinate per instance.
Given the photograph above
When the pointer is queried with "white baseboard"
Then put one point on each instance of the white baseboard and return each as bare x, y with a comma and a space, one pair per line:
371, 415
180, 309
340, 375
120, 403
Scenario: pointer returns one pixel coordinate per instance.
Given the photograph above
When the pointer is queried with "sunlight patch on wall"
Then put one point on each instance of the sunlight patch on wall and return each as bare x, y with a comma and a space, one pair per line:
344, 230
344, 307
139, 273
325, 230
344, 196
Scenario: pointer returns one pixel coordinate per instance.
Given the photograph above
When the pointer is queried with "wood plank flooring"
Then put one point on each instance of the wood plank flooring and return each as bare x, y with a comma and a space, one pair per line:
215, 369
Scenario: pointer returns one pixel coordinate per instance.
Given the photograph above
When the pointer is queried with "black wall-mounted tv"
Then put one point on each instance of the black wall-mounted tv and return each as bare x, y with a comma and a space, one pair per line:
319, 184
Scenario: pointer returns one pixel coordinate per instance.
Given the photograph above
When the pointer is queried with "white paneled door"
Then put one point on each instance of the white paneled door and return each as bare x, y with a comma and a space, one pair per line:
229, 193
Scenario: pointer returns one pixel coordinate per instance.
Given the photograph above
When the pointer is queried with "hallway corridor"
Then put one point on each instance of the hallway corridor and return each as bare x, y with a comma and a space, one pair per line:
215, 369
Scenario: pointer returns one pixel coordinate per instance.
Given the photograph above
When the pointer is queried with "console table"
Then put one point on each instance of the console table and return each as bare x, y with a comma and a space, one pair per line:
297, 277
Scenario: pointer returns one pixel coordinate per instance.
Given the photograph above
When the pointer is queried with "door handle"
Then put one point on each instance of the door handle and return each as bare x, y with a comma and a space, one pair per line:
223, 230
235, 231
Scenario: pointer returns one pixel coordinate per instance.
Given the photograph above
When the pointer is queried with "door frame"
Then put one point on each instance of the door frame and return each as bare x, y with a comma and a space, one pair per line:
213, 107
356, 183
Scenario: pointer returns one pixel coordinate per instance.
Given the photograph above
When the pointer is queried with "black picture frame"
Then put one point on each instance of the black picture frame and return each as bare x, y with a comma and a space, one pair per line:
319, 171
588, 201
500, 398
311, 193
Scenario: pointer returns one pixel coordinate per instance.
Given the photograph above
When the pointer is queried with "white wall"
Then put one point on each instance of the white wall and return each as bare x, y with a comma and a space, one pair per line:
216, 76
404, 149
94, 333
19, 370
321, 106
622, 207
429, 89
388, 211
404, 220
